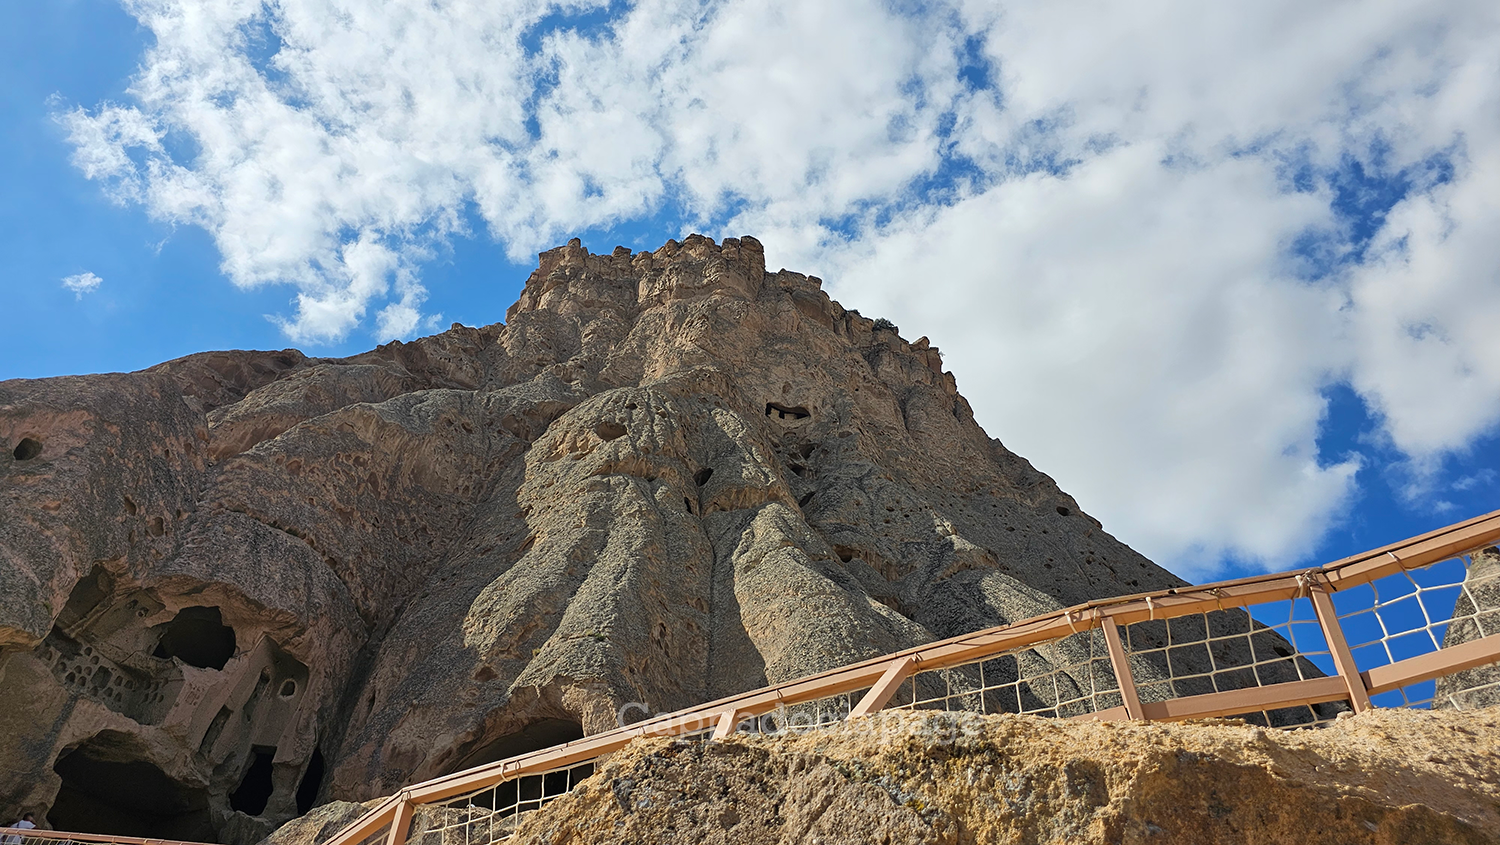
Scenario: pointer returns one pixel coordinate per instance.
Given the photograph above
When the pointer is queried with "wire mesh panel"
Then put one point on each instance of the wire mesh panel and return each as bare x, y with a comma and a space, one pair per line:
1070, 676
1420, 611
1222, 650
1301, 716
492, 813
807, 716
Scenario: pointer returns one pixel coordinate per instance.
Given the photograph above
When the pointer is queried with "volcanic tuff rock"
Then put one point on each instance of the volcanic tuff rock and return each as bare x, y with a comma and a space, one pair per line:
1476, 613
259, 580
1385, 777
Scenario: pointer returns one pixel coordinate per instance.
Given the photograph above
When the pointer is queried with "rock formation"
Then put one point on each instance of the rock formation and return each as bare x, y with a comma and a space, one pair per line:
1386, 777
239, 584
1476, 614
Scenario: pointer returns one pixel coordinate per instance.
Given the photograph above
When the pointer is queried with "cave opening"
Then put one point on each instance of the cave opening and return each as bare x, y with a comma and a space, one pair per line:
198, 637
536, 736
609, 430
255, 788
27, 449
783, 412
312, 783
108, 787
87, 594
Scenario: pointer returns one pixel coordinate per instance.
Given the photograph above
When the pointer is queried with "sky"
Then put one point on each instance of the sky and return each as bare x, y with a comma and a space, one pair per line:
1229, 272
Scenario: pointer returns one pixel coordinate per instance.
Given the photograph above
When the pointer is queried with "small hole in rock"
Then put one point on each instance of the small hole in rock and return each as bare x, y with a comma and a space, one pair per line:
802, 502
26, 449
702, 476
609, 430
1063, 511
288, 688
782, 412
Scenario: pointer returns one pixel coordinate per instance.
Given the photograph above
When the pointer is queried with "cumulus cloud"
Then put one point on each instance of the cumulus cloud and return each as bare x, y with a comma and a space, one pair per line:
1140, 339
82, 283
1150, 237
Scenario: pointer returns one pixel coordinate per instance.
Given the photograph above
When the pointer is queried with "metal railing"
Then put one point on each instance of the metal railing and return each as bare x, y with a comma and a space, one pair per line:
1408, 625
37, 836
1405, 625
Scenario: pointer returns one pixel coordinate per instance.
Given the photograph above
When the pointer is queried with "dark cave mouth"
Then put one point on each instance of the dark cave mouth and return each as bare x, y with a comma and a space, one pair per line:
543, 733
198, 637
255, 788
108, 787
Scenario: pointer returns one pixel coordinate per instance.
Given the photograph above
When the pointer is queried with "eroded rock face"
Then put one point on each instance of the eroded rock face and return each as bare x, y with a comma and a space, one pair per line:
277, 580
1476, 614
1387, 776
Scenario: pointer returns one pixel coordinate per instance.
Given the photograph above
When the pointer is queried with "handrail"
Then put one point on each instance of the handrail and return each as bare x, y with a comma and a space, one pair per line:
877, 675
70, 836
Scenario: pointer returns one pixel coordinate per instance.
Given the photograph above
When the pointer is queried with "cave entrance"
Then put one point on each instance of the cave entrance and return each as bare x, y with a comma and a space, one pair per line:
198, 637
534, 737
312, 783
778, 411
256, 786
87, 595
109, 787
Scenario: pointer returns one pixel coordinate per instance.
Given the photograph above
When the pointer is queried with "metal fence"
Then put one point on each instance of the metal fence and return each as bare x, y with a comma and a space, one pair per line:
1414, 624
34, 836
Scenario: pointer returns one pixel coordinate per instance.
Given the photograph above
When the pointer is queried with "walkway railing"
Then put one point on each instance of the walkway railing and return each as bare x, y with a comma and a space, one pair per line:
35, 836
1406, 625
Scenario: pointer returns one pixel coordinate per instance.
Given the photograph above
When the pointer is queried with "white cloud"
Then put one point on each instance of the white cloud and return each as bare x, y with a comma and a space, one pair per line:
82, 283
1139, 339
1136, 244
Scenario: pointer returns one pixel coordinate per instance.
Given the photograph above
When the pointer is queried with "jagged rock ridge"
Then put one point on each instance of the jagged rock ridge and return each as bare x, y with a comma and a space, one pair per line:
259, 581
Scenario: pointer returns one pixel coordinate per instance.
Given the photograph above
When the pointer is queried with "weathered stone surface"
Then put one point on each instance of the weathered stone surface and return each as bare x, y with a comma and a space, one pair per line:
668, 477
1387, 776
319, 824
1476, 614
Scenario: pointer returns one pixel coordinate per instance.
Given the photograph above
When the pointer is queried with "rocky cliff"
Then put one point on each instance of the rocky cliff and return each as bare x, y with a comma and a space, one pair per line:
240, 584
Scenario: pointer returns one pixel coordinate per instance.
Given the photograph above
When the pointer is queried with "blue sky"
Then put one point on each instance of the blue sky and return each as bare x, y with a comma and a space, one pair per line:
1228, 274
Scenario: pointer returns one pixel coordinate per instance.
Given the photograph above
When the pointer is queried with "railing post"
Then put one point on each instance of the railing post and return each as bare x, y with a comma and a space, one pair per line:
726, 725
400, 823
367, 824
1338, 648
884, 688
1121, 664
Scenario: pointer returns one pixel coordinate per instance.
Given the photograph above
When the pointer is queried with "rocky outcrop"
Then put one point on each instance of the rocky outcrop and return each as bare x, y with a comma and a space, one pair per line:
262, 581
1476, 614
1393, 777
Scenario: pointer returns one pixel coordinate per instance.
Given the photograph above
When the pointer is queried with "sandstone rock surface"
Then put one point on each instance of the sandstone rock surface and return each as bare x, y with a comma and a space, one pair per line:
1393, 777
259, 581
